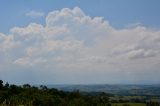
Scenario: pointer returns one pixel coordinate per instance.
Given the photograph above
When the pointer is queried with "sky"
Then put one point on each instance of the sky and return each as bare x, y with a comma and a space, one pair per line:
80, 41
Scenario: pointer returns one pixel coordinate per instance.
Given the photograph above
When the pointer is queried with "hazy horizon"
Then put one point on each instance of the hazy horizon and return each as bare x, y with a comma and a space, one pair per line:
80, 42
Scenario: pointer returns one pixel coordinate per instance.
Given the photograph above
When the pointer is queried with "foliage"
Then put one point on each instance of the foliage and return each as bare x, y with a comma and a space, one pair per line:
27, 95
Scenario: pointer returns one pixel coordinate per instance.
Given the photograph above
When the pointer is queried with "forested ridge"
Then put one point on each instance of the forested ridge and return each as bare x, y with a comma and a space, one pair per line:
27, 95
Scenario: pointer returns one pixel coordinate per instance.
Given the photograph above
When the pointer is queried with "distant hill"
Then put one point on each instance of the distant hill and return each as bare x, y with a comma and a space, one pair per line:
113, 89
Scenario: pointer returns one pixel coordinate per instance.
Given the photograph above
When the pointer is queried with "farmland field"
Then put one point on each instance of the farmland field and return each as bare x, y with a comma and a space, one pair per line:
129, 104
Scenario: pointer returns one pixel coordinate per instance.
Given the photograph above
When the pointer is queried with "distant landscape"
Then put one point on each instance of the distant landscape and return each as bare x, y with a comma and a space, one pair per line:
119, 89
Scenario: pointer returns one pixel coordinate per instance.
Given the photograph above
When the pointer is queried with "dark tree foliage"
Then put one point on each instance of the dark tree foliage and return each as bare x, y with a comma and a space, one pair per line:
150, 103
1, 84
27, 95
6, 85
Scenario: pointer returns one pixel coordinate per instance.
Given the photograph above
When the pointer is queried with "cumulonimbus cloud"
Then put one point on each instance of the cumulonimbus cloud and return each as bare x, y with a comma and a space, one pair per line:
71, 40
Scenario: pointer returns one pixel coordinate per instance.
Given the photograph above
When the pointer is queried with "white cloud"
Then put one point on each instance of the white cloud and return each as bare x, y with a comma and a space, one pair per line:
34, 14
74, 43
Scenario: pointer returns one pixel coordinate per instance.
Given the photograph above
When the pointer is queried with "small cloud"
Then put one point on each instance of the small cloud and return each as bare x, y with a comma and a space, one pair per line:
134, 25
34, 14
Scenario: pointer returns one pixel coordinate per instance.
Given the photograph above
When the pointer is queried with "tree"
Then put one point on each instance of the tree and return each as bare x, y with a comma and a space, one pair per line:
26, 86
43, 87
14, 89
1, 84
6, 85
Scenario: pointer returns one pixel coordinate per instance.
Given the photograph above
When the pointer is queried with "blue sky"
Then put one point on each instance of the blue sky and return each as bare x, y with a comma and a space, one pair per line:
80, 41
118, 13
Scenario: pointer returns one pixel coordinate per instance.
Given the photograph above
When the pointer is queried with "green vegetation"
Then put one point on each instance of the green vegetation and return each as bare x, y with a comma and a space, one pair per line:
27, 95
128, 104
